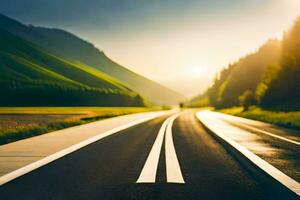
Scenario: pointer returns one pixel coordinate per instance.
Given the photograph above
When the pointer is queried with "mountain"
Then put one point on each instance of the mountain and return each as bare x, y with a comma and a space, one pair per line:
72, 47
31, 76
241, 76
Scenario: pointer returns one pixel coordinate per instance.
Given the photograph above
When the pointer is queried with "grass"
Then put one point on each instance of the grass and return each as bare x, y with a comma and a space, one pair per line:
40, 78
18, 123
285, 119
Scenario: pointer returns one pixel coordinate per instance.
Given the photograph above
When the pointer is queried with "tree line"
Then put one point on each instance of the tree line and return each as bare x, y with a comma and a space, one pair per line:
268, 78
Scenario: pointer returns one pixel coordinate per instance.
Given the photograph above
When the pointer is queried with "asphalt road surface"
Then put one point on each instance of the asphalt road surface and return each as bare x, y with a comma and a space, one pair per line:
278, 146
121, 167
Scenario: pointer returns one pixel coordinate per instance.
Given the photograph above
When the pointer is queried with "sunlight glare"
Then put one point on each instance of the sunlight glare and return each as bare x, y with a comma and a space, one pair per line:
197, 71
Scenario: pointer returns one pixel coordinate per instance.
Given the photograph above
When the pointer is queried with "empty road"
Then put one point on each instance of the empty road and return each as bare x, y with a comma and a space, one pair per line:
170, 157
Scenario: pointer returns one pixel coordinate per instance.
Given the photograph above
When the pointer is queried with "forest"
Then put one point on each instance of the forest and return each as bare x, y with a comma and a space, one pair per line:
269, 78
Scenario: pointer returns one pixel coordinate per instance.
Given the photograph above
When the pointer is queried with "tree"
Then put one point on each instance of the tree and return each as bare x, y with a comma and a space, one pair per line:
282, 92
247, 99
271, 73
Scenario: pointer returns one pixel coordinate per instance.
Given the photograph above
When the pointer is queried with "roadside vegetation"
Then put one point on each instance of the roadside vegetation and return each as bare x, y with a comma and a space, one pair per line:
23, 122
285, 119
268, 78
263, 85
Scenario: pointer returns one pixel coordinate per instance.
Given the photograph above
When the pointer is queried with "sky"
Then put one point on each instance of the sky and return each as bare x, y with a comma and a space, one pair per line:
179, 43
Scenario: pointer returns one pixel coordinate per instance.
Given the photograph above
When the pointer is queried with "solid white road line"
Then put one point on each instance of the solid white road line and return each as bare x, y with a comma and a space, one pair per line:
174, 174
148, 174
28, 168
269, 134
236, 119
216, 126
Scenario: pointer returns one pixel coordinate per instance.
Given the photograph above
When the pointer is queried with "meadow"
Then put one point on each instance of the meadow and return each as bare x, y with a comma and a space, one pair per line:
22, 122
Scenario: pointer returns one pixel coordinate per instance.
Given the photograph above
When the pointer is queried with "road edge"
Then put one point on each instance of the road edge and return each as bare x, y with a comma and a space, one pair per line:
48, 159
242, 155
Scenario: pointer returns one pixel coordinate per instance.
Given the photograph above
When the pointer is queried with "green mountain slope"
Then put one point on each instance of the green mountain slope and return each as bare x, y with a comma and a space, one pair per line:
244, 75
247, 73
282, 82
31, 76
70, 46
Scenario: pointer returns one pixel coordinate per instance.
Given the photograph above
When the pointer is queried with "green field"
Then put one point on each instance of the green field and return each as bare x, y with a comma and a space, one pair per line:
285, 119
22, 122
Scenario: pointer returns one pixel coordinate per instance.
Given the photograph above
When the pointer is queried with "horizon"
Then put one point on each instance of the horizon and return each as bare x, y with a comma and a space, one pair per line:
161, 99
147, 43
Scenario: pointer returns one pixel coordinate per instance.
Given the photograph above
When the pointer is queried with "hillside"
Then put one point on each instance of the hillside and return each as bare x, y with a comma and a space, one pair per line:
70, 46
282, 82
33, 76
268, 78
241, 76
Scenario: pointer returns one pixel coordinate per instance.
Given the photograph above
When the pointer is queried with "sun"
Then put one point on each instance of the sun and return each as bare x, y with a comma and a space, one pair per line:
197, 70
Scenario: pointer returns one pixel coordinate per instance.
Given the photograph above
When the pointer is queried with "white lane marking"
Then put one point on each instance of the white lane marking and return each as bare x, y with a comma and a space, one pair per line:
214, 125
268, 133
255, 129
148, 174
174, 174
28, 168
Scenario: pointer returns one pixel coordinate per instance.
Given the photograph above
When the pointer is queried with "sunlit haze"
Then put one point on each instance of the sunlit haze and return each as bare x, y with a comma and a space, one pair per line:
181, 44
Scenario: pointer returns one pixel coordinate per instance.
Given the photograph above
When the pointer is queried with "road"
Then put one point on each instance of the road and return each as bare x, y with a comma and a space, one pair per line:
165, 158
278, 146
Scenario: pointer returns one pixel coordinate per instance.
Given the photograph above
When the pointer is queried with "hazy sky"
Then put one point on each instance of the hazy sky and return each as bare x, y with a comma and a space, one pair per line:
180, 43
